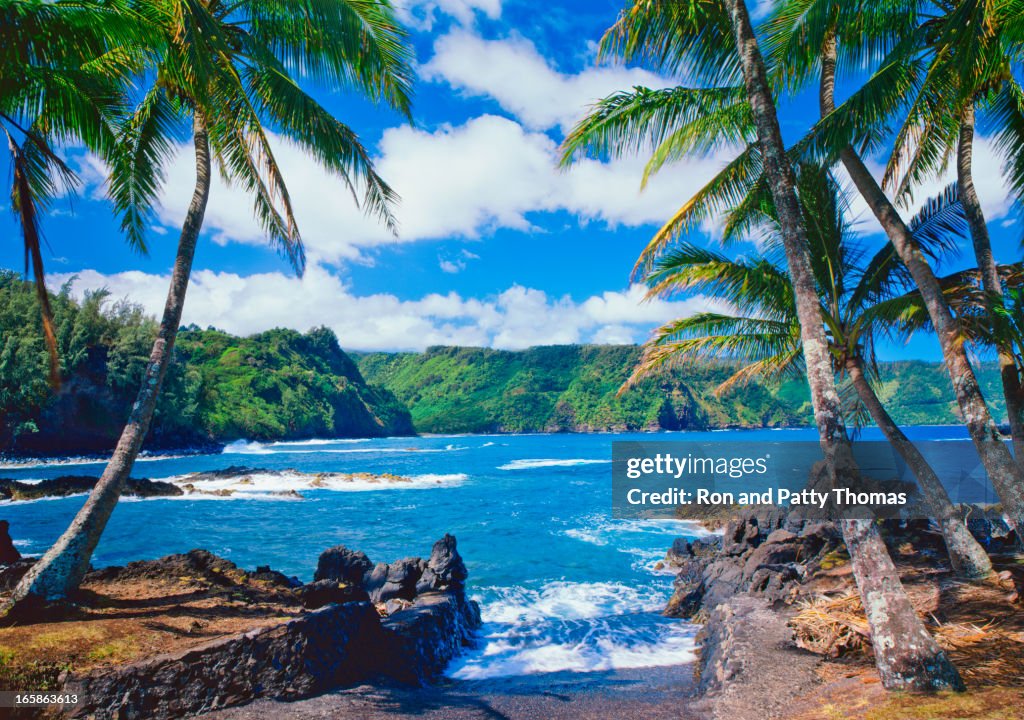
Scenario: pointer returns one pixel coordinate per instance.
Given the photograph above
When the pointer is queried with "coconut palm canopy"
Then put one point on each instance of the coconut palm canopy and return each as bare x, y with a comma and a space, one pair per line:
865, 295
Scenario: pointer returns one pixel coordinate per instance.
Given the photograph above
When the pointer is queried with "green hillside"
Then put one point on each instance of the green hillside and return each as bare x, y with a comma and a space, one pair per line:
572, 388
276, 385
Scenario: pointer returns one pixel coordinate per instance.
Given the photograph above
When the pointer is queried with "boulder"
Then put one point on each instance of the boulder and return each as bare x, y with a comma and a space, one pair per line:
324, 592
760, 553
79, 484
11, 574
395, 580
342, 565
680, 552
263, 573
445, 568
8, 553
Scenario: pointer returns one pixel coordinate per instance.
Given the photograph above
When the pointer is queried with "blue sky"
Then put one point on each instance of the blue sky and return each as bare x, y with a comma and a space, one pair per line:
497, 247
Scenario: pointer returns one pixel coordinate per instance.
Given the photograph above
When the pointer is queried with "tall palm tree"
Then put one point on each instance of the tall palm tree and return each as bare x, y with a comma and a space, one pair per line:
714, 43
815, 39
859, 294
229, 68
64, 67
971, 56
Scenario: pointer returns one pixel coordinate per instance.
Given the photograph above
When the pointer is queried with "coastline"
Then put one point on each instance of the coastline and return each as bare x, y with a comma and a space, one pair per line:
13, 459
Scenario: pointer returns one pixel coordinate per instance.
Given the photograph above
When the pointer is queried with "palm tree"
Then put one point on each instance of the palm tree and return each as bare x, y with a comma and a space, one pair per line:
714, 43
806, 42
63, 70
971, 56
228, 69
859, 296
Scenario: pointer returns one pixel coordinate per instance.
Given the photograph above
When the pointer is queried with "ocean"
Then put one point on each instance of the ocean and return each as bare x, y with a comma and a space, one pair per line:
562, 585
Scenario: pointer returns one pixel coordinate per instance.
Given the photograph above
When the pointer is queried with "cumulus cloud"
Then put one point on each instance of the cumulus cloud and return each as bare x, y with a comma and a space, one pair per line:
994, 192
455, 181
422, 14
517, 318
515, 74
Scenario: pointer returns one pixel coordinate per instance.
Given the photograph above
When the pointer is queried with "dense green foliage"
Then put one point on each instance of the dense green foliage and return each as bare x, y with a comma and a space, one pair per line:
572, 388
275, 385
284, 384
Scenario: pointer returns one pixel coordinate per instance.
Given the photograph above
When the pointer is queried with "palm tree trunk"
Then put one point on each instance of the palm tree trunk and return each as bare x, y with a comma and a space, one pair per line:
966, 555
1004, 473
906, 655
61, 569
990, 281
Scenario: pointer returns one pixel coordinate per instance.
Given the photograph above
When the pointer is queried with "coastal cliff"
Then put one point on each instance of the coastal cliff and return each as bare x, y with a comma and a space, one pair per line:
277, 385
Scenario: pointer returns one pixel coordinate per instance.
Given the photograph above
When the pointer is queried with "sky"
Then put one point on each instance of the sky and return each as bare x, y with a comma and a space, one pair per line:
496, 247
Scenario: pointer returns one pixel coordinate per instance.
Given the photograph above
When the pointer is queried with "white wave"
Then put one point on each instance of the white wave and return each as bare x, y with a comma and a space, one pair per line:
565, 600
49, 498
543, 463
69, 461
319, 441
246, 447
579, 627
278, 485
674, 646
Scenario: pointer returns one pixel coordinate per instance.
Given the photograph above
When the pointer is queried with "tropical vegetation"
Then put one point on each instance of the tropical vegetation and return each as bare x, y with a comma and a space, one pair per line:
864, 296
224, 74
131, 79
575, 388
727, 99
275, 385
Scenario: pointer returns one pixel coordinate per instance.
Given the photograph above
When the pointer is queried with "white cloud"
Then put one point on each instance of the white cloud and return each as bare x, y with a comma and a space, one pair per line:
993, 191
455, 181
457, 264
422, 14
516, 318
523, 82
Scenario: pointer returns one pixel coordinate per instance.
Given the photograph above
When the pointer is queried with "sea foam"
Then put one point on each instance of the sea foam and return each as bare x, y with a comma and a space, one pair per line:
533, 464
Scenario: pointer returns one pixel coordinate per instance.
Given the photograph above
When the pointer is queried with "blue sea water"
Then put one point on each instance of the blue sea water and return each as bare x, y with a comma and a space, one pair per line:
562, 585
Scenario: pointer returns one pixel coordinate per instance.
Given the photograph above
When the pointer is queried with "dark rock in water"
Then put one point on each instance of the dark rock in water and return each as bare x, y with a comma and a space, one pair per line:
445, 568
78, 484
679, 553
395, 580
324, 592
144, 487
342, 565
424, 637
8, 553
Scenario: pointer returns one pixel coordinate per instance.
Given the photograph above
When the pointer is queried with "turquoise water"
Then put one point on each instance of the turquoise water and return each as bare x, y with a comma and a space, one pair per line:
562, 585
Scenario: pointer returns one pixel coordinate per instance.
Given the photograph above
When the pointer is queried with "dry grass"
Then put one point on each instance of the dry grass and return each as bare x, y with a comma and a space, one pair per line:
123, 620
980, 625
831, 626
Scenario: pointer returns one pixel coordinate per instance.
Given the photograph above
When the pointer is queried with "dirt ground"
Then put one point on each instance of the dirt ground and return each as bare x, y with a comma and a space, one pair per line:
142, 610
979, 624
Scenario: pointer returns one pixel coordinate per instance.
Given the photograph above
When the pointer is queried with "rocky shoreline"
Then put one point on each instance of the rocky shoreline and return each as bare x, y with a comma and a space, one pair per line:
236, 479
358, 621
748, 585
